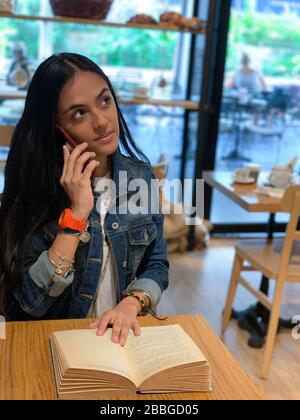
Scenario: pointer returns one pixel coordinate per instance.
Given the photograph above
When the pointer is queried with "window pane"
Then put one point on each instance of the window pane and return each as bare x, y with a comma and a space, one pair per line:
260, 117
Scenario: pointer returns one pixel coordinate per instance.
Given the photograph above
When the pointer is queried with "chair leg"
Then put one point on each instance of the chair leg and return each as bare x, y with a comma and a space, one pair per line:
272, 330
237, 267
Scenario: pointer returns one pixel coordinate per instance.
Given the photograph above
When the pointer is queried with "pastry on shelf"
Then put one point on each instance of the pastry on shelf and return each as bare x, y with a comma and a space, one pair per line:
173, 18
194, 24
7, 6
143, 19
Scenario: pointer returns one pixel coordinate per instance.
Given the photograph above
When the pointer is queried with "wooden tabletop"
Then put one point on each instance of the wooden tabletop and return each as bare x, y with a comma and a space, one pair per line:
11, 93
26, 368
243, 195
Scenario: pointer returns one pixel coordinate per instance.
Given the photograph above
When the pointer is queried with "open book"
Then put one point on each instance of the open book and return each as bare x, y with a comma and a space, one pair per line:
161, 360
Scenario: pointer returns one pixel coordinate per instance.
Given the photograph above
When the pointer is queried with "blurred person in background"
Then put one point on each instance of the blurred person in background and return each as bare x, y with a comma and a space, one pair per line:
21, 69
247, 78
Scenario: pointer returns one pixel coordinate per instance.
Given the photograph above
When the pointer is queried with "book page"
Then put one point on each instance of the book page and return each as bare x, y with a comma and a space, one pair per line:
160, 348
83, 349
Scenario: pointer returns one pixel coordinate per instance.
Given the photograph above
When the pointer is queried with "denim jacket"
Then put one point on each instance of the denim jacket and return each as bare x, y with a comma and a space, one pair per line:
138, 248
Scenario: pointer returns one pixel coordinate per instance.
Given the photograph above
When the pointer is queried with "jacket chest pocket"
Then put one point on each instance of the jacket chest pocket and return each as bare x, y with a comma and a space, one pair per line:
140, 237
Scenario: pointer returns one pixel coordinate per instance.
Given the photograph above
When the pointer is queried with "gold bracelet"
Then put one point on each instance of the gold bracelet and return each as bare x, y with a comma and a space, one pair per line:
59, 268
61, 257
59, 264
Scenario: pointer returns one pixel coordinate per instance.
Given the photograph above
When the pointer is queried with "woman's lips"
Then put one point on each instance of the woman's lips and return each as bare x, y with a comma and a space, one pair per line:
105, 139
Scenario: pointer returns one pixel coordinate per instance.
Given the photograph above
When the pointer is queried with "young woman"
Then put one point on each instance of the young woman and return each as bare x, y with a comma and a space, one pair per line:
62, 254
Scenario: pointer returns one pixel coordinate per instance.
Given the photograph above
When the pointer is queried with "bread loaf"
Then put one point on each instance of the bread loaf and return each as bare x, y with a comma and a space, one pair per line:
142, 18
173, 18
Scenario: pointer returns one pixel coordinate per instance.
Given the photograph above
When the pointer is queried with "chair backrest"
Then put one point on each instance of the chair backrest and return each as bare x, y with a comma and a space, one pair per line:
160, 170
161, 167
6, 132
290, 204
290, 199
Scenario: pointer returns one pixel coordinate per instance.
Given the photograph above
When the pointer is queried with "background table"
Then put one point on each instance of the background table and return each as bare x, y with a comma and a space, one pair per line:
26, 368
244, 195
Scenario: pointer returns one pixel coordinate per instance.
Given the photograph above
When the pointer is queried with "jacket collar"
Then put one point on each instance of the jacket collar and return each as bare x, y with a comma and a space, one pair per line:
119, 164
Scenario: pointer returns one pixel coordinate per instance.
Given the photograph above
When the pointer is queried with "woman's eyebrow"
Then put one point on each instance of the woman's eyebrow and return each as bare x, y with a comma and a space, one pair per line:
104, 90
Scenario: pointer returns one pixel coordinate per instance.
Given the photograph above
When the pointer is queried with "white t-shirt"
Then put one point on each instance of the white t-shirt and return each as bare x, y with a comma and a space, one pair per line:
106, 294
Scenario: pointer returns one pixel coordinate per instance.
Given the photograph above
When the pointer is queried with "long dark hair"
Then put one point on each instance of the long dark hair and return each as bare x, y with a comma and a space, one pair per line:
32, 195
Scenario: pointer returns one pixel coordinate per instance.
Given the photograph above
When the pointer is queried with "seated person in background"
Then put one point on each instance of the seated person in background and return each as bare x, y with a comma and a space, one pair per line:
247, 78
21, 69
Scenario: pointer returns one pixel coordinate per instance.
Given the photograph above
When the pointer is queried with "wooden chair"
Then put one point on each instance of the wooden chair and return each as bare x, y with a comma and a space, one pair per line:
6, 132
161, 167
278, 260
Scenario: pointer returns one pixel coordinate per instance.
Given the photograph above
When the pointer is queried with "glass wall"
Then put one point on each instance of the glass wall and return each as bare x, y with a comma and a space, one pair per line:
153, 62
260, 116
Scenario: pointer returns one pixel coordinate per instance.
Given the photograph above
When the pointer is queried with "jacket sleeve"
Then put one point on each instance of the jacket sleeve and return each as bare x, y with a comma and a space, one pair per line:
40, 286
153, 272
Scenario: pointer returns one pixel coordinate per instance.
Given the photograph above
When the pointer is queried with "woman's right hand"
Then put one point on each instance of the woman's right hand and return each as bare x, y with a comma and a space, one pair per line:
77, 182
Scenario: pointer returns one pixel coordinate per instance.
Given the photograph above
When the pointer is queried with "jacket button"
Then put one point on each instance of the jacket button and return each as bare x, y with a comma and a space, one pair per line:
115, 226
124, 264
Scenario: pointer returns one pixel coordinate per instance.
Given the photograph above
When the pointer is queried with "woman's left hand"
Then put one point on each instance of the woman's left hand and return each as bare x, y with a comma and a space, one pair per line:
122, 318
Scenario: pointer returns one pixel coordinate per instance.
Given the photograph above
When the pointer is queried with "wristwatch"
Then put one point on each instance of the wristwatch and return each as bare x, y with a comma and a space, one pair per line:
67, 221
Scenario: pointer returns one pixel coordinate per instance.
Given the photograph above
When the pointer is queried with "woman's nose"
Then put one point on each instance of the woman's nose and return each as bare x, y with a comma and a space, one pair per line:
99, 121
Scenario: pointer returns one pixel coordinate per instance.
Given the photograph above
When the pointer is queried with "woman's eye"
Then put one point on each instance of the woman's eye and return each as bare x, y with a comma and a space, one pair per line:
106, 100
79, 114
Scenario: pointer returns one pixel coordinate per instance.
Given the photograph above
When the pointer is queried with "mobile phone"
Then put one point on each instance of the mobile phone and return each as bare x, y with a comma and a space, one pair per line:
70, 141
67, 137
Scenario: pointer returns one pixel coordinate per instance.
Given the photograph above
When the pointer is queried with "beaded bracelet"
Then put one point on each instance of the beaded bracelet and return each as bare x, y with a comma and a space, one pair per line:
145, 308
141, 300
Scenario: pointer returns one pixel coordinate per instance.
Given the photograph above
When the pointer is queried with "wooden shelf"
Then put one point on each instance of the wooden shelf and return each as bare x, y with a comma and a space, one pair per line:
13, 95
160, 27
190, 105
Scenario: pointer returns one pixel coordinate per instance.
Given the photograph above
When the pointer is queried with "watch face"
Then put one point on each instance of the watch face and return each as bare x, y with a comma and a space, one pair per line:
85, 237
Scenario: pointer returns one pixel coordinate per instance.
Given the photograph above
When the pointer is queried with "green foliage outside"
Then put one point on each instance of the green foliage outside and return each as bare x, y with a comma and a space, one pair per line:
274, 39
117, 46
17, 30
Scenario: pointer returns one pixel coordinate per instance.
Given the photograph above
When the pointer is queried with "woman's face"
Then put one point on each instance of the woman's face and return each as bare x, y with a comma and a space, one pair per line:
87, 112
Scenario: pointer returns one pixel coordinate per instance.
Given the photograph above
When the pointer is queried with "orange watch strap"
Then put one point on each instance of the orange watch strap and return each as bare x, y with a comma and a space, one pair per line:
67, 221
